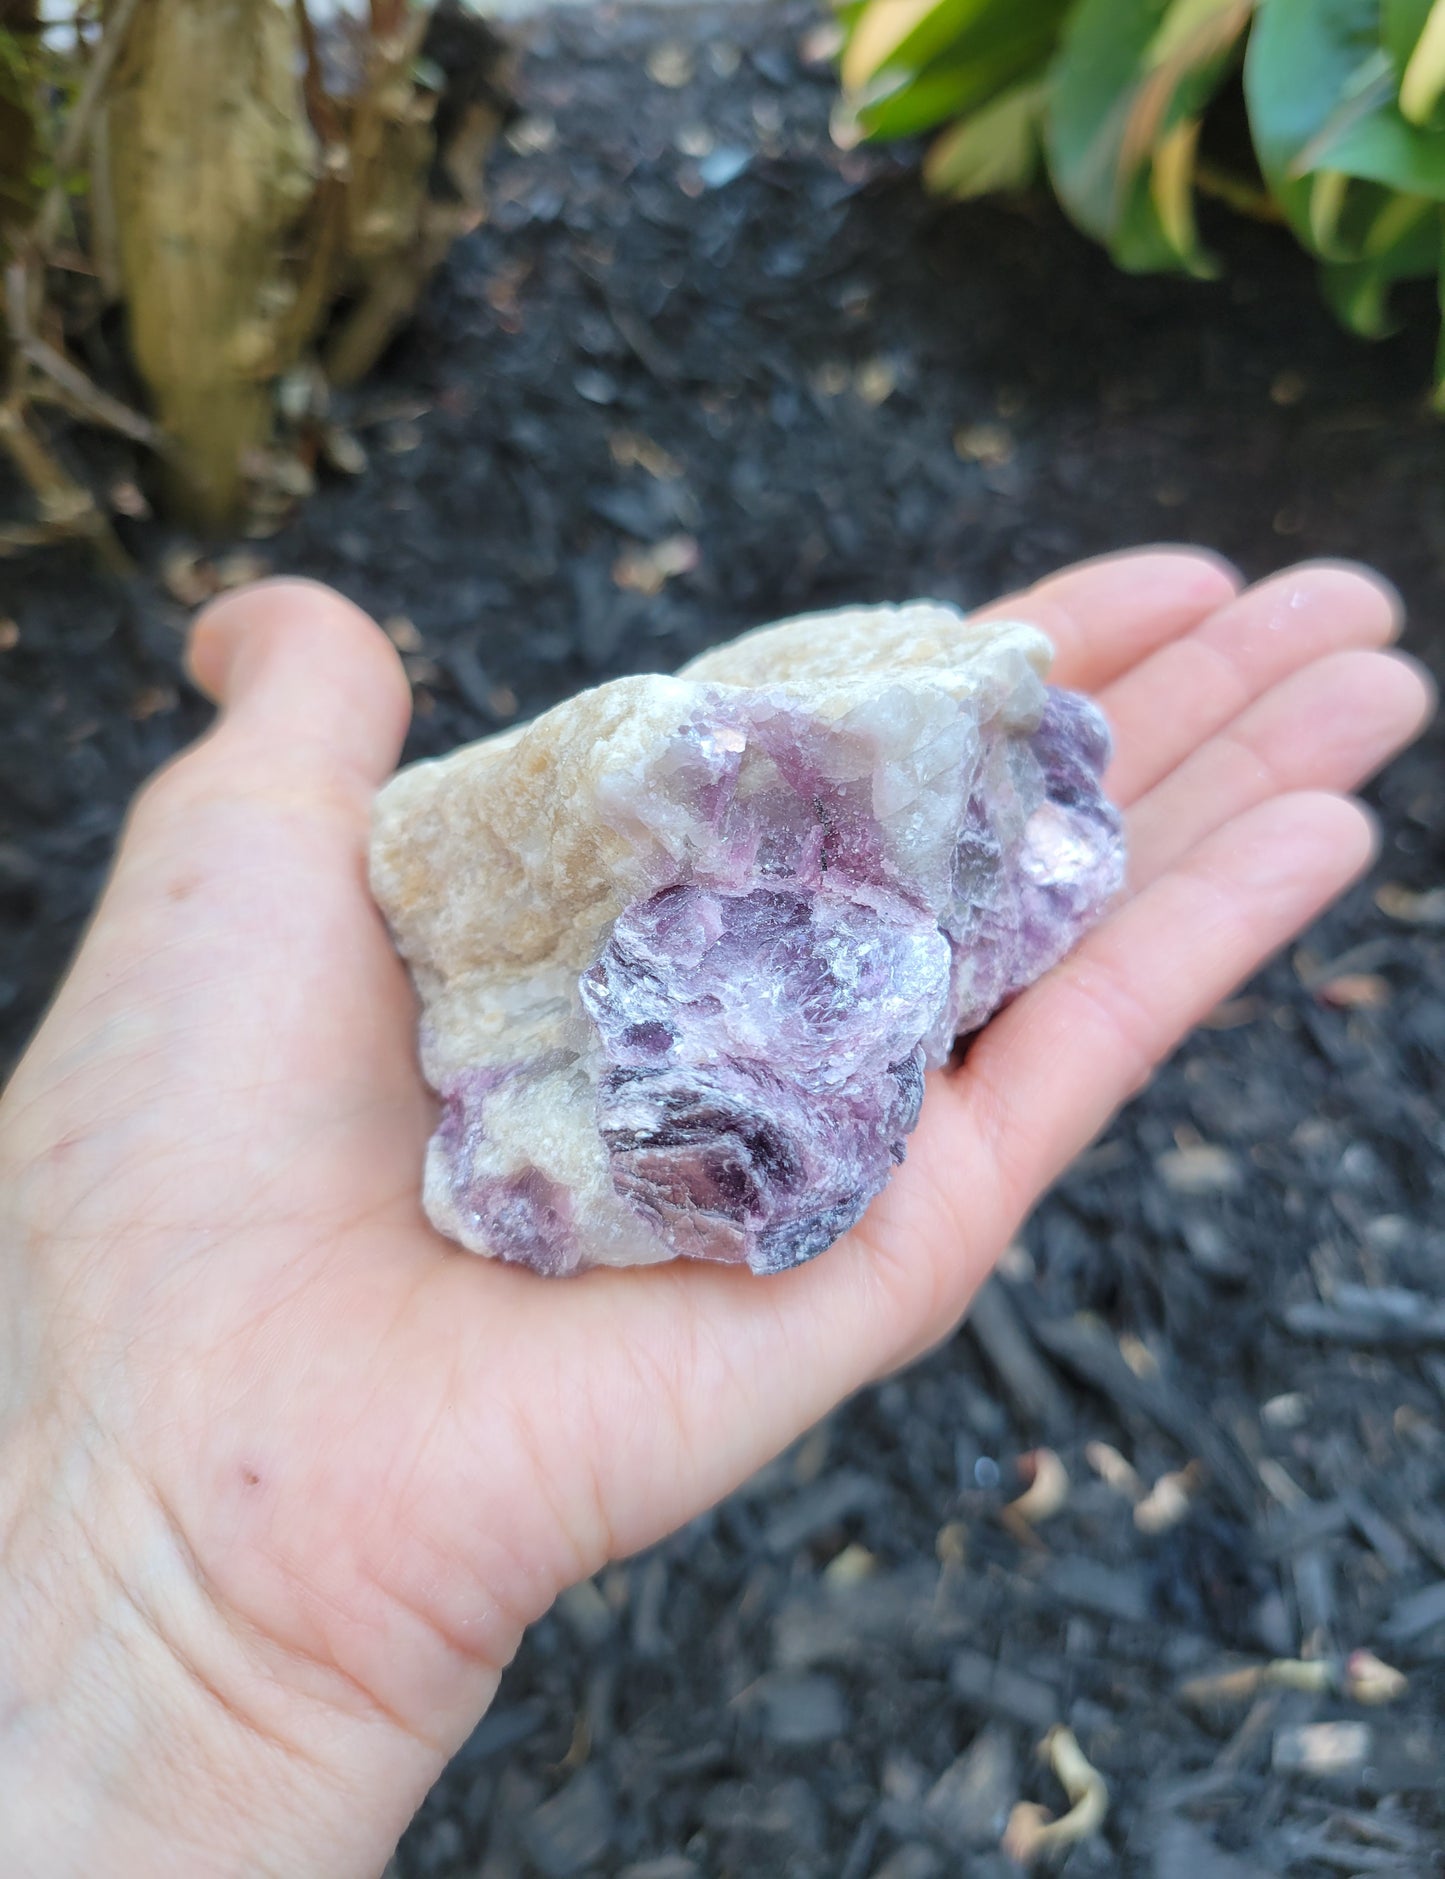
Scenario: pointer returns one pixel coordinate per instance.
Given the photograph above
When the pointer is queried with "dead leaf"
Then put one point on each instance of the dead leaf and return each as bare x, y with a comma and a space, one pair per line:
648, 570
983, 443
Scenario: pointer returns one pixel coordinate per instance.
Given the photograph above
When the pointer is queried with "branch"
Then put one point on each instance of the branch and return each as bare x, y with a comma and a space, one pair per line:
53, 364
67, 508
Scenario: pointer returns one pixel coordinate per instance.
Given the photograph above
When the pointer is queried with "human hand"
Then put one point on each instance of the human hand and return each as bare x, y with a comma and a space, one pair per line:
283, 1475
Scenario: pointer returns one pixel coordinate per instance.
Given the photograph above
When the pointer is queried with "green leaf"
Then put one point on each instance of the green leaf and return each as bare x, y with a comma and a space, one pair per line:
1130, 81
1356, 295
1381, 147
901, 104
908, 35
1301, 59
1423, 79
1403, 243
883, 30
1401, 23
910, 105
996, 148
1319, 89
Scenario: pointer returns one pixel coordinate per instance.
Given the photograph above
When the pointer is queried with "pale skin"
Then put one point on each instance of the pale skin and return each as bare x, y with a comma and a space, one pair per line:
283, 1476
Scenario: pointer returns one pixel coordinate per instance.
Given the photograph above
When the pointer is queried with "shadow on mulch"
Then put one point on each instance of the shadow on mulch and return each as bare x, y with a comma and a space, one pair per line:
702, 370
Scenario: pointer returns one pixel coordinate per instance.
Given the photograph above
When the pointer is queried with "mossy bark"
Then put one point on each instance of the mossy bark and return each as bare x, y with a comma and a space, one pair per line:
19, 143
212, 164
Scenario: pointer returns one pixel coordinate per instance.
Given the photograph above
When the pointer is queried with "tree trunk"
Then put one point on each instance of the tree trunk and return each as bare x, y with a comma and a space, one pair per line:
212, 165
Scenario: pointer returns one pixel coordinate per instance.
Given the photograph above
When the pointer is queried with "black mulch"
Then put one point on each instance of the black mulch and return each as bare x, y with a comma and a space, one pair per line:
692, 317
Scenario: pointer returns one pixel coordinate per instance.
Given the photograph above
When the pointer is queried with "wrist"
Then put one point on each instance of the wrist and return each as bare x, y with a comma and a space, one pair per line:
138, 1732
102, 1735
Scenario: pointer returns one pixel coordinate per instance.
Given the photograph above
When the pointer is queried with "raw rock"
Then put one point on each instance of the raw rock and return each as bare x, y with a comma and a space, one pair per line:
685, 946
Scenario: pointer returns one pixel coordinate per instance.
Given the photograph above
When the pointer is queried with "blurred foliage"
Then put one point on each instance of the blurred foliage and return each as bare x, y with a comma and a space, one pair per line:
210, 216
1116, 99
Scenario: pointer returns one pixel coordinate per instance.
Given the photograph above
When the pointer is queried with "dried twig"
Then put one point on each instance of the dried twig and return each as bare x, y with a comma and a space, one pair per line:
1244, 197
1003, 1336
67, 507
1361, 1677
80, 392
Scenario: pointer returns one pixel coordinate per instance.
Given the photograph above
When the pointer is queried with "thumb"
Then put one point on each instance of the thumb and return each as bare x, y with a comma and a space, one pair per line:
299, 672
248, 848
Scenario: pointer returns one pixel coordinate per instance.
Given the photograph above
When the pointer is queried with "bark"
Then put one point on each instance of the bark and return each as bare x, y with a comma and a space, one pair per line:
212, 165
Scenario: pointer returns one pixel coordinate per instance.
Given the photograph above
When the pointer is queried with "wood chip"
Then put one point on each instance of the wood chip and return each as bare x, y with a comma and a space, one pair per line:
1387, 1316
990, 1687
1415, 1615
1026, 1375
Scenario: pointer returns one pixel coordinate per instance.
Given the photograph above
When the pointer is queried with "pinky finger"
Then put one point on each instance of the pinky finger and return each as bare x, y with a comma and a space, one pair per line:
1047, 1074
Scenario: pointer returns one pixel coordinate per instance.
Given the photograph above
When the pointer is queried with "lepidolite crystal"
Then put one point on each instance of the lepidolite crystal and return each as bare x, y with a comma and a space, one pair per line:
685, 946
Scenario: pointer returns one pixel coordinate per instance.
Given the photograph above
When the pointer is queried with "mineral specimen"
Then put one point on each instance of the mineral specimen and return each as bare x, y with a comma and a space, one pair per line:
685, 946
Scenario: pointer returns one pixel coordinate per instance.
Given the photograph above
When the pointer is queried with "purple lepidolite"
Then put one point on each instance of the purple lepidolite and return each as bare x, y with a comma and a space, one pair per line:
685, 946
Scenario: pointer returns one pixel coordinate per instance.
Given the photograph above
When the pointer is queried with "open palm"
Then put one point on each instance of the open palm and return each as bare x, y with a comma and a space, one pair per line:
333, 1465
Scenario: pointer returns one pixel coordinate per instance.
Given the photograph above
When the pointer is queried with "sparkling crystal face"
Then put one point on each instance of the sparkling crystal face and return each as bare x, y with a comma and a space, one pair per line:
763, 1061
765, 1021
